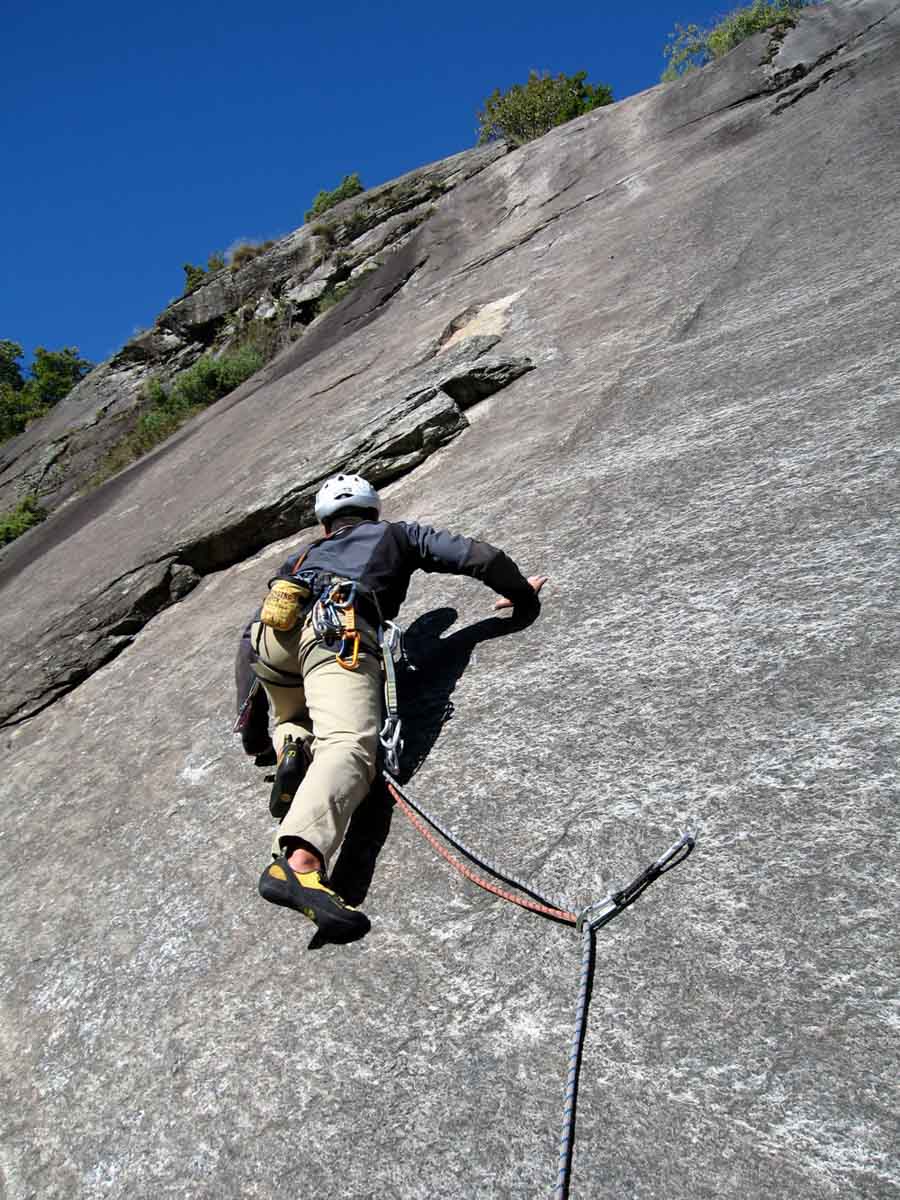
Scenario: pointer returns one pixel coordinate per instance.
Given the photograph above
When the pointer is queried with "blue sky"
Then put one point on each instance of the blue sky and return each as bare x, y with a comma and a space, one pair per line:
139, 137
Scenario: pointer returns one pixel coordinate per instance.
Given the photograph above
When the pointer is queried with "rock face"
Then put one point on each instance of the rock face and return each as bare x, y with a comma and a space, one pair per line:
277, 295
689, 302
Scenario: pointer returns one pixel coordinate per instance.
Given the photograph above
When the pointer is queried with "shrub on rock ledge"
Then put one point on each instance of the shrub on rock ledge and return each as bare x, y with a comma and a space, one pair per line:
690, 46
529, 110
26, 514
194, 276
208, 380
245, 252
350, 185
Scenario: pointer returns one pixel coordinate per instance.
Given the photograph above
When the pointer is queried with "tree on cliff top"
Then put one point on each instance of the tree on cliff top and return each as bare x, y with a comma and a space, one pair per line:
52, 376
690, 46
528, 110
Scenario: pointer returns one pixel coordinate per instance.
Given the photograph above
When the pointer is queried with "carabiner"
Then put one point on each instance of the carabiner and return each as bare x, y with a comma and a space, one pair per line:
341, 656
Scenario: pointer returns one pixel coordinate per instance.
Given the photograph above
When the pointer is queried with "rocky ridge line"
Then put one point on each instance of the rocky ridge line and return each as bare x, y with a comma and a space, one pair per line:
278, 294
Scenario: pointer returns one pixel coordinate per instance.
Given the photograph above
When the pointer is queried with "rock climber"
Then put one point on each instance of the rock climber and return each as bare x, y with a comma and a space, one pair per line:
324, 683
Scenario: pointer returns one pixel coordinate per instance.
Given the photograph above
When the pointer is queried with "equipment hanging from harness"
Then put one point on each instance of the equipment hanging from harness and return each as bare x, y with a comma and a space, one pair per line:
334, 620
331, 607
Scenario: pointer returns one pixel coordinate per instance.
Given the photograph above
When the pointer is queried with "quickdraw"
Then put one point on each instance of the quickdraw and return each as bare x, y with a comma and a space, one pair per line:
392, 654
587, 921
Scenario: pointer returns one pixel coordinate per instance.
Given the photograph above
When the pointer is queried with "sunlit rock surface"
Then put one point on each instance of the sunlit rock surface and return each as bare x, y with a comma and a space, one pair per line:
701, 451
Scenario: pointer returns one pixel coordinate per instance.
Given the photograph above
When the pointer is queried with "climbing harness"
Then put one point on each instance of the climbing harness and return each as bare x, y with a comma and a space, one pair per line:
334, 621
333, 614
586, 920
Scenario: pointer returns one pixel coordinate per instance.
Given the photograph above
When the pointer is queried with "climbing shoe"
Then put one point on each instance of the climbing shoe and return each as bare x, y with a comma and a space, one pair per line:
307, 893
292, 766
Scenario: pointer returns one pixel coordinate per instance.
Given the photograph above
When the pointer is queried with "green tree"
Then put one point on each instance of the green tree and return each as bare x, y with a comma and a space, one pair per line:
691, 46
529, 110
52, 376
10, 371
14, 411
54, 373
193, 277
350, 185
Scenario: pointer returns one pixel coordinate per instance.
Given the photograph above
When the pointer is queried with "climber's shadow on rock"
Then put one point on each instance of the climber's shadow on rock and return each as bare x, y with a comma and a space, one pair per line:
436, 665
425, 686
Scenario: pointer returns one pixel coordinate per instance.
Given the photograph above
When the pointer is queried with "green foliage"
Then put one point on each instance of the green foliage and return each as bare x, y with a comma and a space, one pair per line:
349, 186
25, 515
10, 371
334, 294
54, 373
194, 389
529, 110
167, 410
15, 412
691, 46
194, 276
52, 376
360, 221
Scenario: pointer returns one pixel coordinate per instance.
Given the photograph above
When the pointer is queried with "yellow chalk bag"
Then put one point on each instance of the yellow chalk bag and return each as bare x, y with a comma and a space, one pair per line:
285, 604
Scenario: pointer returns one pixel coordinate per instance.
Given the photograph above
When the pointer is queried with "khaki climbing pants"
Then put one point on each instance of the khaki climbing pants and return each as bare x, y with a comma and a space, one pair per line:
337, 713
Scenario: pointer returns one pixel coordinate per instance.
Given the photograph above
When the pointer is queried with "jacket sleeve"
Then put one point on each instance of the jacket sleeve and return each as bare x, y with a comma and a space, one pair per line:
437, 550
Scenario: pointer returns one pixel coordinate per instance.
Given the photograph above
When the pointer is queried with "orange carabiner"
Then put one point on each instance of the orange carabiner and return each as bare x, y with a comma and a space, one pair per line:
351, 663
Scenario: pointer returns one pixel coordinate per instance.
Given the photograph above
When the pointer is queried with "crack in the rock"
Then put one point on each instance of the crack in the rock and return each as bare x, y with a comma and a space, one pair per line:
820, 61
561, 192
793, 97
109, 640
782, 80
344, 379
63, 444
390, 294
57, 691
385, 454
475, 263
510, 212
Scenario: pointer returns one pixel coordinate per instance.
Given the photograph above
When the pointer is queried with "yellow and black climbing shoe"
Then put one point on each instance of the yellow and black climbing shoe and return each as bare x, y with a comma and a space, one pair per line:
307, 894
292, 764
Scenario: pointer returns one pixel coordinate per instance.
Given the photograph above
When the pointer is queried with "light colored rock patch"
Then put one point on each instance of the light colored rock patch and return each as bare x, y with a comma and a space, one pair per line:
488, 320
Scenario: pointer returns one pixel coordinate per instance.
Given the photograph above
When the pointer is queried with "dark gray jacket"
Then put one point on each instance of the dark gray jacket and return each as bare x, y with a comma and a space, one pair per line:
381, 556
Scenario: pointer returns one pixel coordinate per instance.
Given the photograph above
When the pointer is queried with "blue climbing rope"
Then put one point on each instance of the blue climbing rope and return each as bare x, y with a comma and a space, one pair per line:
591, 918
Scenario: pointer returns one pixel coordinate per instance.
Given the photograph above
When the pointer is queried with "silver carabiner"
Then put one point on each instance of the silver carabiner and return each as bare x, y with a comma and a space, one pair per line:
392, 743
392, 638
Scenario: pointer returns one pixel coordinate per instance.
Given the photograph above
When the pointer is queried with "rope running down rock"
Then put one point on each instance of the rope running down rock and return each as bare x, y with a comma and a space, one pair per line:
587, 921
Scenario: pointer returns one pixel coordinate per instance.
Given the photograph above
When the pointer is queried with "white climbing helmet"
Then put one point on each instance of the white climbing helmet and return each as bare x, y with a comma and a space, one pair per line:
345, 491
